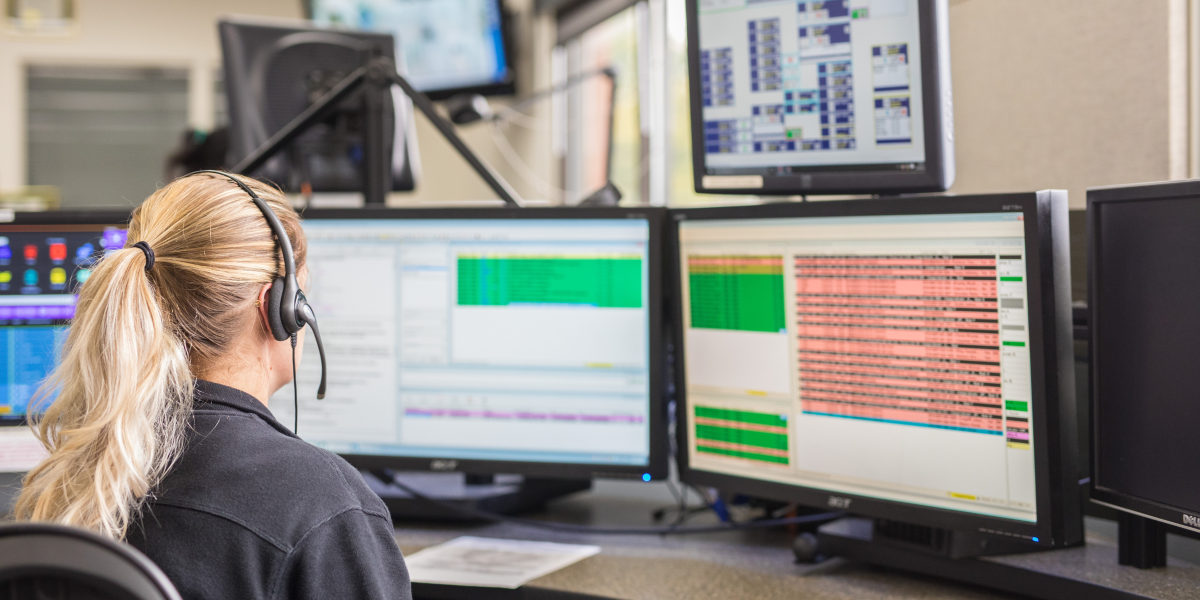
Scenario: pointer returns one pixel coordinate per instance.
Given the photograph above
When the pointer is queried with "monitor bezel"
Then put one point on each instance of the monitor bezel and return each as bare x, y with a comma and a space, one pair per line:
938, 172
504, 87
115, 218
656, 464
1097, 199
1059, 516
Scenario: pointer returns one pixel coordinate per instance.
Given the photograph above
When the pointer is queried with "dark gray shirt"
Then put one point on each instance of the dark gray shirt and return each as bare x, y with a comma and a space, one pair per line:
251, 511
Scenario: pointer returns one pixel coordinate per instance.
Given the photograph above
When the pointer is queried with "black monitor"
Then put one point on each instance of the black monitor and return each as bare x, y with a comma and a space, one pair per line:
449, 46
487, 341
820, 96
1143, 253
43, 259
274, 70
904, 359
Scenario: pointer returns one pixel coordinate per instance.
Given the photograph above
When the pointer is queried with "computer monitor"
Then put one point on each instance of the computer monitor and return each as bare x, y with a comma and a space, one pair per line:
450, 46
904, 359
1145, 347
43, 259
487, 341
820, 96
275, 69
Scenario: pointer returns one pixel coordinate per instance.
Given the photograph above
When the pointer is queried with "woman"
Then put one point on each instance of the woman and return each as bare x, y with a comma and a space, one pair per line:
160, 433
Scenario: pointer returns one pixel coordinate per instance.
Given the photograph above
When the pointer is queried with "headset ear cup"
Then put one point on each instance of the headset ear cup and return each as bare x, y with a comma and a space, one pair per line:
274, 302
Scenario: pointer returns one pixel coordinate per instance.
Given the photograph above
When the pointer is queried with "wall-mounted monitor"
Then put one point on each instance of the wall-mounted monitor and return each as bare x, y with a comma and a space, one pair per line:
820, 96
448, 46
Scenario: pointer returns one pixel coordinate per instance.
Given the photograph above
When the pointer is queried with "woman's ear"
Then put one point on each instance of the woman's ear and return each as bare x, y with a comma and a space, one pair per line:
260, 306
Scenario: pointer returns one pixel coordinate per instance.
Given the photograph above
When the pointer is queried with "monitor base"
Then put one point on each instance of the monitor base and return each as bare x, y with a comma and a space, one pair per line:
856, 539
843, 536
503, 495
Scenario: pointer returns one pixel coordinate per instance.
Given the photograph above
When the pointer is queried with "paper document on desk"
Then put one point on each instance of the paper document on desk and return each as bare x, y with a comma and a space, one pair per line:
488, 562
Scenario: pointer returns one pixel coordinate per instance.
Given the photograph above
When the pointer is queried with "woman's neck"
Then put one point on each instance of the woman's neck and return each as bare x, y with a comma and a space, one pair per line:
247, 379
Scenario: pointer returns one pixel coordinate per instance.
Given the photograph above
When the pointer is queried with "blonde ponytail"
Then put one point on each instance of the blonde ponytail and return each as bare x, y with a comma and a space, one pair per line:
123, 391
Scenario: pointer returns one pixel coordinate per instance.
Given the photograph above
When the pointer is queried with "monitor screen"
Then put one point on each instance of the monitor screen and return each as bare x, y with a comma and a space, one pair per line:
446, 44
885, 357
502, 340
1145, 349
41, 267
787, 91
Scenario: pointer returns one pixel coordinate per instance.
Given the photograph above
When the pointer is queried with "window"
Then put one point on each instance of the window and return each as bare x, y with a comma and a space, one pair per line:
612, 43
101, 134
681, 188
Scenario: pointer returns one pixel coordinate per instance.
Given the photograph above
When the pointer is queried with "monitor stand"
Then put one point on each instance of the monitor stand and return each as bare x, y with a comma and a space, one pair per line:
1141, 542
500, 494
970, 558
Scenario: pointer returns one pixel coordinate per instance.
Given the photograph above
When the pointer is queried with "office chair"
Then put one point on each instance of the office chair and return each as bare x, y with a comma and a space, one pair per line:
40, 561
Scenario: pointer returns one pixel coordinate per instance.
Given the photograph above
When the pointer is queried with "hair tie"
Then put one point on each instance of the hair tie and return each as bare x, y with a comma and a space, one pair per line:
145, 248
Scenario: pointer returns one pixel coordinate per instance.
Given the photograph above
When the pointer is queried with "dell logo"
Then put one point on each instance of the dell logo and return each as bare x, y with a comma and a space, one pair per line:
842, 503
1191, 521
442, 464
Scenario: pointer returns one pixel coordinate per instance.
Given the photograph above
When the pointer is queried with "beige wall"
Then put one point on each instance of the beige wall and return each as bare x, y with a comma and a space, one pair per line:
174, 33
1069, 93
1048, 93
182, 33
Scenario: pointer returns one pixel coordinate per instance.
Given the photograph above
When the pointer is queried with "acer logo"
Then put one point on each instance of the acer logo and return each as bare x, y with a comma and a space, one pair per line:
838, 502
442, 464
1191, 521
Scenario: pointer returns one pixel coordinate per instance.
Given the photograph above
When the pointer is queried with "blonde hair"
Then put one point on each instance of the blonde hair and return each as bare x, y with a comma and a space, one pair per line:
124, 384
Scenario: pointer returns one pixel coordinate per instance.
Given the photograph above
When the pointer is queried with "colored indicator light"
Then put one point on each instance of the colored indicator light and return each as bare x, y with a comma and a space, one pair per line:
5, 276
5, 252
58, 252
113, 239
58, 276
1035, 539
645, 477
84, 252
31, 253
31, 277
82, 275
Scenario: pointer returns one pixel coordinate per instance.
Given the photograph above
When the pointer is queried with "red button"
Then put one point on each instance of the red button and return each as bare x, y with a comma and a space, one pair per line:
31, 252
58, 252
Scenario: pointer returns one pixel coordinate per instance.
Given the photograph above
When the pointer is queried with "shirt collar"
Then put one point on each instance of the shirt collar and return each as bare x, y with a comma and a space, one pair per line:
207, 392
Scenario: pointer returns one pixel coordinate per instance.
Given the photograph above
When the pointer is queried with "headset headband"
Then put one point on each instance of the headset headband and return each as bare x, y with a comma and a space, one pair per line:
285, 244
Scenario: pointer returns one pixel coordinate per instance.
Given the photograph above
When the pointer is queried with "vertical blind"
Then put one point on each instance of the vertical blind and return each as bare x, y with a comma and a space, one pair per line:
102, 134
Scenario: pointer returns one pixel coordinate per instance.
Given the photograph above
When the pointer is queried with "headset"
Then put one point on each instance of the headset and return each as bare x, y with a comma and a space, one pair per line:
287, 308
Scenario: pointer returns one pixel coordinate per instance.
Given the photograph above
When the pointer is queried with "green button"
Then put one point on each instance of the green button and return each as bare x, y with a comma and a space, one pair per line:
1010, 279
1016, 405
1019, 344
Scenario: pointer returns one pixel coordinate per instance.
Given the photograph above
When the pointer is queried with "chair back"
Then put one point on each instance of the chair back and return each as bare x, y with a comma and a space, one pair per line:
43, 561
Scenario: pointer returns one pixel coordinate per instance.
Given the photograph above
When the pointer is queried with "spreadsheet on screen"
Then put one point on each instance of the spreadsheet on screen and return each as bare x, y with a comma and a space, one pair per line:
885, 356
504, 339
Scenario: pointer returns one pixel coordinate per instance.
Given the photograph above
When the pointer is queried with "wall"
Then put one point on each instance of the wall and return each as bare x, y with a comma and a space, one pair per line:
1069, 93
182, 33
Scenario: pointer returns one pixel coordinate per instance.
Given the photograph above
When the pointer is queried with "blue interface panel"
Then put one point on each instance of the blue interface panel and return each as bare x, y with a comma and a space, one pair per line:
445, 44
507, 339
810, 83
41, 268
